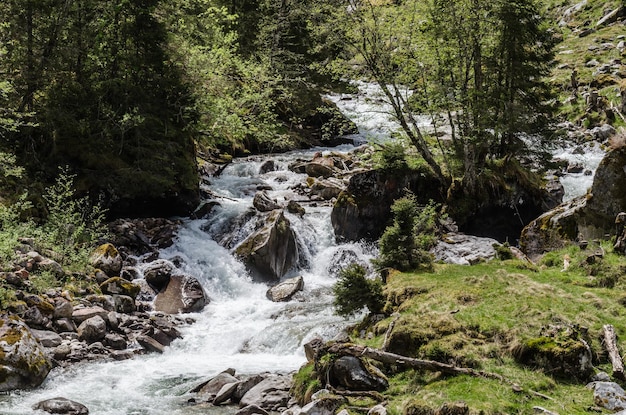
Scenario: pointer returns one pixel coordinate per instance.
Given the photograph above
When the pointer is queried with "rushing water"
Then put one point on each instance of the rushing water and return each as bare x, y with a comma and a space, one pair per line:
240, 328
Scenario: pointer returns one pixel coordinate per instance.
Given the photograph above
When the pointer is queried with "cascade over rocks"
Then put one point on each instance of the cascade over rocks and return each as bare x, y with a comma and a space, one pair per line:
272, 250
584, 218
23, 361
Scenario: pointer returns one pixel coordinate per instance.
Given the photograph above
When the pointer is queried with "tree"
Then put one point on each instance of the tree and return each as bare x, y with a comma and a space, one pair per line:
476, 64
354, 291
405, 244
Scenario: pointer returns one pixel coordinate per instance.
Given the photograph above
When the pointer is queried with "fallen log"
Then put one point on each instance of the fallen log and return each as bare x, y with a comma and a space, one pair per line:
422, 364
610, 344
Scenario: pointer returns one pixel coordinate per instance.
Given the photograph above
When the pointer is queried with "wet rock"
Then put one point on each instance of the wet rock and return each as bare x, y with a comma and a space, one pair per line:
61, 406
268, 166
92, 330
245, 385
107, 258
295, 208
608, 395
184, 294
270, 394
264, 203
286, 289
144, 235
204, 210
464, 249
585, 218
225, 393
209, 389
119, 286
23, 361
150, 344
158, 273
351, 373
272, 250
123, 304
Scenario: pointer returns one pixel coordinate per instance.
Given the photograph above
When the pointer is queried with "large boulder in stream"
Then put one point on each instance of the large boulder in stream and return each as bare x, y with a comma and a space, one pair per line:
271, 250
585, 218
23, 361
183, 294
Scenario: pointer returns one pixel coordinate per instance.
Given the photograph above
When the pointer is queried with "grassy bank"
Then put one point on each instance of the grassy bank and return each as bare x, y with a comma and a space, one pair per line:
487, 316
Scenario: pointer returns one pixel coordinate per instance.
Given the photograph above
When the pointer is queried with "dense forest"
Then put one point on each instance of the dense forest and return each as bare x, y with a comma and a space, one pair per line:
123, 92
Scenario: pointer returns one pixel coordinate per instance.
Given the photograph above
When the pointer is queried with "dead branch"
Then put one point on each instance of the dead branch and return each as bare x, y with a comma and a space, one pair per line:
396, 359
610, 344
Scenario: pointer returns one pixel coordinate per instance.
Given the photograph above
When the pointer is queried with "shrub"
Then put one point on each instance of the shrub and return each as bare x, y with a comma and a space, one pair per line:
354, 291
405, 244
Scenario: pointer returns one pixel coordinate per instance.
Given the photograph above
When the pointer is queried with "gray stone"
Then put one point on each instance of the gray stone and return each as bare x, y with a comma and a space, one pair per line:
264, 203
252, 410
47, 338
270, 394
464, 249
285, 290
225, 393
377, 410
608, 395
209, 389
272, 250
62, 406
326, 405
157, 273
183, 294
108, 259
150, 344
81, 314
62, 308
115, 341
92, 330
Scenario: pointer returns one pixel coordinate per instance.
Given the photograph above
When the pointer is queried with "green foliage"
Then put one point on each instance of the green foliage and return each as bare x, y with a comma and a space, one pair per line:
392, 156
305, 383
354, 291
73, 225
405, 244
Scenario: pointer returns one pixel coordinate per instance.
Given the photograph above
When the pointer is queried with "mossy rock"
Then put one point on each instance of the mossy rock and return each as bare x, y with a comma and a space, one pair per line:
120, 286
107, 258
23, 361
563, 355
410, 333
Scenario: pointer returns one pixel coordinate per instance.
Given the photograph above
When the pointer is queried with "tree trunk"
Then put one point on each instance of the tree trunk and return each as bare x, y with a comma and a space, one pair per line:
610, 343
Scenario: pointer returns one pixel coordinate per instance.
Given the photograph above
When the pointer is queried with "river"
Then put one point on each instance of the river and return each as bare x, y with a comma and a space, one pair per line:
240, 328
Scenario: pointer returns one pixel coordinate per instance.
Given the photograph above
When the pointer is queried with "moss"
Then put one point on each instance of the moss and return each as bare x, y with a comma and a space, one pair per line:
305, 383
345, 199
106, 250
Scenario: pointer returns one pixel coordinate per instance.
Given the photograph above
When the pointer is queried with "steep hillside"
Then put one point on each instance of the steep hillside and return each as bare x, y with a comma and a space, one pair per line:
589, 60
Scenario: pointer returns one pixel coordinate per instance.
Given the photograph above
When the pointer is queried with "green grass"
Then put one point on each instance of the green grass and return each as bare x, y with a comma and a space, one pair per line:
476, 316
